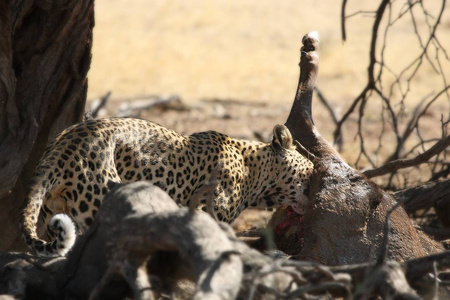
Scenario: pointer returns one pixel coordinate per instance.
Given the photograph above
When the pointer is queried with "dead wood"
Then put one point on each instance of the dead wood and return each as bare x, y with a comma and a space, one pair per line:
197, 238
395, 165
142, 245
425, 196
88, 261
24, 274
97, 106
343, 223
45, 53
430, 195
135, 107
407, 131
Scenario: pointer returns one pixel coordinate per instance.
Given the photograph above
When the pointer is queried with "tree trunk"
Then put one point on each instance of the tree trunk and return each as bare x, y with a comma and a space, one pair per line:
45, 54
344, 221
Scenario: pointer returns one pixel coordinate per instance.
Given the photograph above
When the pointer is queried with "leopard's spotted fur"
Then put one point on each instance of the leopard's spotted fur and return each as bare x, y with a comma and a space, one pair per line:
73, 174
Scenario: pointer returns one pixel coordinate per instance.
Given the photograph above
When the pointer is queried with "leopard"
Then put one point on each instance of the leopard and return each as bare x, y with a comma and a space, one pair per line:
73, 175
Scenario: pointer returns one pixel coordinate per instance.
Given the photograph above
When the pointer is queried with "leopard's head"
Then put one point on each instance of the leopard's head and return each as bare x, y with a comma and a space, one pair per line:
293, 171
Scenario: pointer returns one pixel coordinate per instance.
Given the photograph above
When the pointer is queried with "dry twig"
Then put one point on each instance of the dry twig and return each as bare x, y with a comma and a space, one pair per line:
395, 165
394, 97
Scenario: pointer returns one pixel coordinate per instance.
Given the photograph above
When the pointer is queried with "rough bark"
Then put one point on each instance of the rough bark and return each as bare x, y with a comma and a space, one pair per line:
45, 53
141, 243
344, 221
25, 276
430, 194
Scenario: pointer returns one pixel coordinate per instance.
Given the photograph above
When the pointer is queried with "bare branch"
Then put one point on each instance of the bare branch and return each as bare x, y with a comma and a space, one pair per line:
395, 165
100, 105
338, 131
327, 105
373, 44
344, 35
305, 151
395, 96
135, 107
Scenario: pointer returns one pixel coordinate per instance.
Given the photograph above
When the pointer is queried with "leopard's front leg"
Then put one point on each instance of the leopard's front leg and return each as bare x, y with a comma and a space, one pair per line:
217, 199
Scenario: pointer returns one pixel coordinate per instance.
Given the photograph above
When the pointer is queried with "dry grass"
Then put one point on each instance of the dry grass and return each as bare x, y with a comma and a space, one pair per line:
231, 49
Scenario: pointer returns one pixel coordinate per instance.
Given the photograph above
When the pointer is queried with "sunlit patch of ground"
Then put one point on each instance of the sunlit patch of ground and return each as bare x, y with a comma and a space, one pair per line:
246, 50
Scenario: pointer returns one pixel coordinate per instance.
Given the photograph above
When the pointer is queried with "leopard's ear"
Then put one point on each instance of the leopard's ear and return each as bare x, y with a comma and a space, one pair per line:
282, 138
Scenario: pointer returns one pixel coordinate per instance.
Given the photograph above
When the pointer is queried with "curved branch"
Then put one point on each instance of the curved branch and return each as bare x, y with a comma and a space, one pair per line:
338, 131
327, 104
405, 163
373, 44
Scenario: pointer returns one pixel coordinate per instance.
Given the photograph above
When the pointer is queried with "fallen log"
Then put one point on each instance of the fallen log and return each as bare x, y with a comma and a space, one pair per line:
134, 107
142, 245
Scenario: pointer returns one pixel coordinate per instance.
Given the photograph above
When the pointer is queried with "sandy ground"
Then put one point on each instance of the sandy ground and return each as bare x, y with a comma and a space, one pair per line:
245, 50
